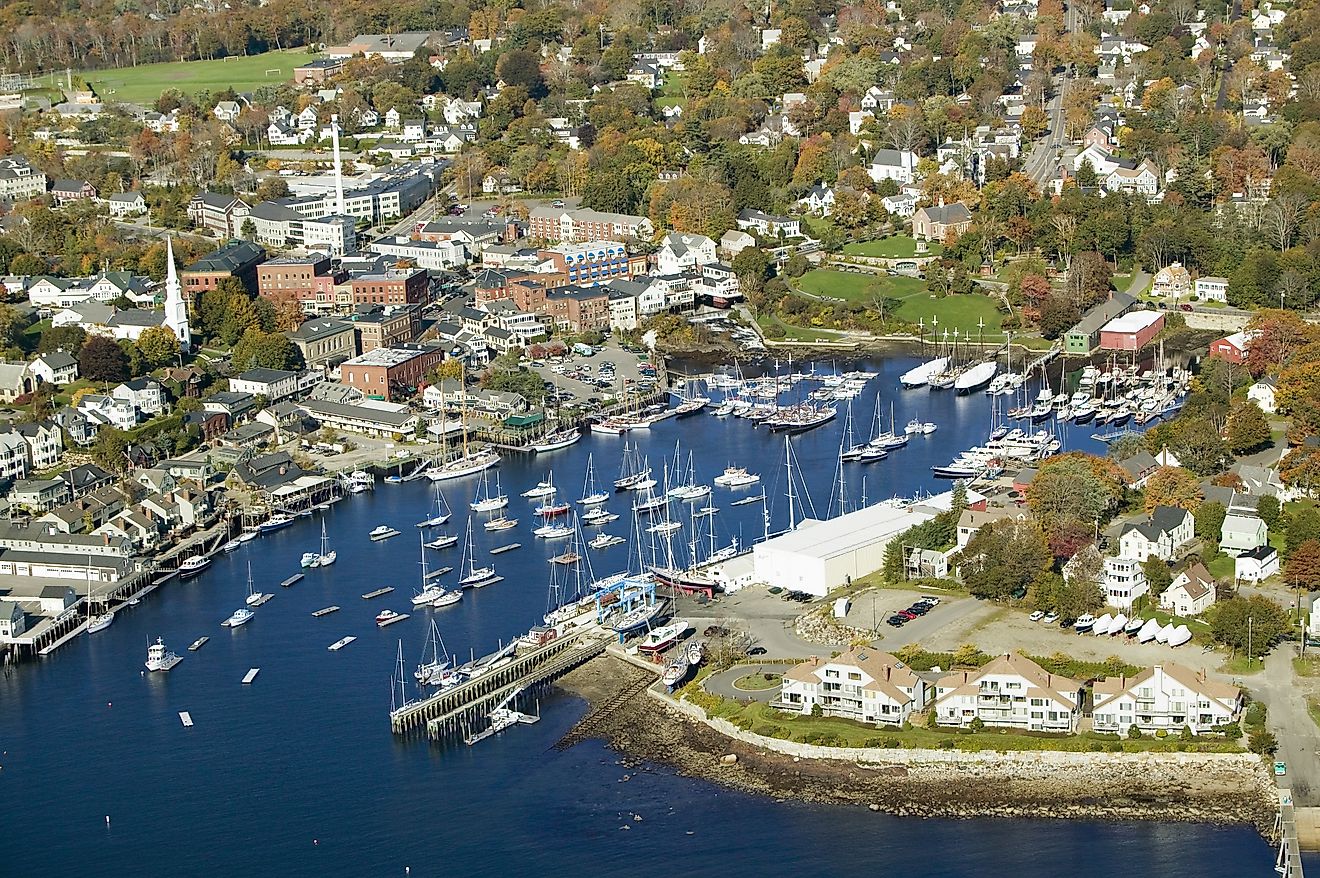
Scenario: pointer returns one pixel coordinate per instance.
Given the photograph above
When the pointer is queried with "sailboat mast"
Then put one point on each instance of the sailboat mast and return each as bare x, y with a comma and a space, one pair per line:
788, 462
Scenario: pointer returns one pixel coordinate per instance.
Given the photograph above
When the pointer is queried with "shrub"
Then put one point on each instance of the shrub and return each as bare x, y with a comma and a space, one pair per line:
893, 743
1262, 741
932, 719
1186, 733
1161, 733
816, 710
1115, 747
977, 725
1095, 746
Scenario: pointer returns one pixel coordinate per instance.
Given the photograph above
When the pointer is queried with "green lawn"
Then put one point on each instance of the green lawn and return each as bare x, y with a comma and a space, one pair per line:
143, 84
797, 333
856, 287
1221, 566
762, 719
671, 90
955, 312
896, 247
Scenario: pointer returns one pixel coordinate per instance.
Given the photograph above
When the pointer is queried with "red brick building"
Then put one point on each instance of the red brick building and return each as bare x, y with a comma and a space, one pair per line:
385, 327
235, 259
394, 286
391, 373
306, 279
579, 309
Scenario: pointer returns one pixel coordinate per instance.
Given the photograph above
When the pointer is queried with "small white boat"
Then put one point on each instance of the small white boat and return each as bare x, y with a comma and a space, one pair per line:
241, 616
1165, 633
309, 558
553, 531
499, 524
388, 617
248, 535
383, 532
1102, 625
444, 541
1149, 631
1180, 635
736, 477
231, 546
605, 541
1084, 623
193, 566
544, 488
664, 528
100, 623
253, 597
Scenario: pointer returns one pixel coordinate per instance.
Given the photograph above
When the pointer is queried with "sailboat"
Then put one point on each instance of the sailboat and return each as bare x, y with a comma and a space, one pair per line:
439, 660
485, 500
591, 496
543, 488
102, 620
252, 596
632, 475
442, 513
476, 576
327, 557
432, 595
243, 615
888, 439
469, 462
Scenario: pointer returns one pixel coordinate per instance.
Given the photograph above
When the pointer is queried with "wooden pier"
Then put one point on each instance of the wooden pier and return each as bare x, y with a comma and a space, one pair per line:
456, 710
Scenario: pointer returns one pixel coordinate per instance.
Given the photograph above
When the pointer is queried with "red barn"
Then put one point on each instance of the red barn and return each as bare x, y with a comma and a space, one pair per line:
1131, 332
1232, 348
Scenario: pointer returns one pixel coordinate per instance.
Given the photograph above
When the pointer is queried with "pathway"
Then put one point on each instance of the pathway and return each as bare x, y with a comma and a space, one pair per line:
1289, 719
721, 683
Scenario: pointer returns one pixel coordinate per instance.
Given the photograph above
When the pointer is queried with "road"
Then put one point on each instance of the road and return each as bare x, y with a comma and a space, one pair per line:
1289, 719
1042, 162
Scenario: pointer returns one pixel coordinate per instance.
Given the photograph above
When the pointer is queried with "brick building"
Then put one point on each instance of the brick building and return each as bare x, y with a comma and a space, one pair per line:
557, 224
384, 327
393, 372
235, 259
307, 279
579, 309
393, 286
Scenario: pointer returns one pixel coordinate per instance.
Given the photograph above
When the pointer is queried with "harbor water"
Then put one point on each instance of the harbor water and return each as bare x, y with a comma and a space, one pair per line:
298, 774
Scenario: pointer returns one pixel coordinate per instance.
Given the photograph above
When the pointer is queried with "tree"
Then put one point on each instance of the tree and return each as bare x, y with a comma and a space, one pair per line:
102, 360
1248, 625
258, 349
1004, 559
1303, 565
1172, 486
1303, 526
159, 345
1248, 430
62, 338
1209, 522
110, 449
1072, 490
1157, 573
1079, 596
1267, 510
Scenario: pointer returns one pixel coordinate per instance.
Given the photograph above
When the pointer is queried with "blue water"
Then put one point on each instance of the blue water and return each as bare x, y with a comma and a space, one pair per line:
298, 774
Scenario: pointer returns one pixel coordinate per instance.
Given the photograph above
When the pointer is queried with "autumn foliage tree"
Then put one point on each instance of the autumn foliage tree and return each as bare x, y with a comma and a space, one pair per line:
1247, 428
102, 360
1172, 486
1303, 566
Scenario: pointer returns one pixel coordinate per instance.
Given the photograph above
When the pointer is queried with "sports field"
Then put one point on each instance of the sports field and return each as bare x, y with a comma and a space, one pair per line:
143, 84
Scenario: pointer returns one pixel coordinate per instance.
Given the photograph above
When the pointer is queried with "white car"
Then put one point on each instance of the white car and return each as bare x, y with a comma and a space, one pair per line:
1051, 618
1037, 616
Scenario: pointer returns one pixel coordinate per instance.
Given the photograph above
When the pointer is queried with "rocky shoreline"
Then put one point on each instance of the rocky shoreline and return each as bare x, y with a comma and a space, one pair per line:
1102, 787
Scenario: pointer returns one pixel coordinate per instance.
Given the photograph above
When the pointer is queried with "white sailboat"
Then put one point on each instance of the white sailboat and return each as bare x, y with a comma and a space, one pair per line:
476, 576
327, 557
439, 657
591, 496
544, 488
252, 596
442, 513
485, 501
469, 462
430, 593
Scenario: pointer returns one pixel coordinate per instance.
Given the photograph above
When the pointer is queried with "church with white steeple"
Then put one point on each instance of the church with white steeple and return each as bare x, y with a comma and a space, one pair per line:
176, 309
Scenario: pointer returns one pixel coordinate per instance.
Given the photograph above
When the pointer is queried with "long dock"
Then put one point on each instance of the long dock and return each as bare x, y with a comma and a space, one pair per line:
454, 710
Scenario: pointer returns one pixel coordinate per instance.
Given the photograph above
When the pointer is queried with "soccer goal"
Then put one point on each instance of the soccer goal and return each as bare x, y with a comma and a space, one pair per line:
278, 71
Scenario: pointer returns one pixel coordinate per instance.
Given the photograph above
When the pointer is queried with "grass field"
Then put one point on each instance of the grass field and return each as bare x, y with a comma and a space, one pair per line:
797, 333
897, 247
856, 287
143, 84
671, 91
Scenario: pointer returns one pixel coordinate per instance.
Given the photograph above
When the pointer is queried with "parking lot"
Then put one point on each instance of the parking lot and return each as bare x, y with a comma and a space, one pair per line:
577, 379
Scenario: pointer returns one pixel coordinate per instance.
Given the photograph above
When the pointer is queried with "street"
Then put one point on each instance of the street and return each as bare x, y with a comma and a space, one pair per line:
1042, 162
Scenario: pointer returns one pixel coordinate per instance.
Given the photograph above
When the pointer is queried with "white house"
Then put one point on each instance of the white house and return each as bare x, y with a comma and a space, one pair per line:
1166, 698
1010, 691
55, 367
1161, 534
901, 205
1256, 565
274, 384
1212, 289
819, 200
1191, 593
227, 111
1123, 581
145, 394
1241, 533
101, 410
768, 225
1262, 394
680, 251
124, 204
863, 685
893, 164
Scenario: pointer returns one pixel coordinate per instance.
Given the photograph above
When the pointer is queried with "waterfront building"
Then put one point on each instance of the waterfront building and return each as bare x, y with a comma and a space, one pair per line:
274, 384
1166, 698
372, 418
1011, 691
862, 684
1131, 332
819, 556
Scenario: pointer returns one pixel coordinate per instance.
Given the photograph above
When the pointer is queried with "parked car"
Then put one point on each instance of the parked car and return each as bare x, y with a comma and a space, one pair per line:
1036, 616
897, 621
1051, 618
757, 650
919, 609
906, 614
929, 600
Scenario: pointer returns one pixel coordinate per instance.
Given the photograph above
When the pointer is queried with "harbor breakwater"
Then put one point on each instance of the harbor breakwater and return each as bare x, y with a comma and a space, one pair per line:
1218, 788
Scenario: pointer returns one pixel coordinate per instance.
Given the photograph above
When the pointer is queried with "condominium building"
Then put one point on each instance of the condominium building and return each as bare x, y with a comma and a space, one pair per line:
1010, 691
1168, 698
862, 684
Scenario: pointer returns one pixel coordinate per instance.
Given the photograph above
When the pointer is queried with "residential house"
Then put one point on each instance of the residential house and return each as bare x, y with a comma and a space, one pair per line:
902, 205
1212, 289
1123, 580
1166, 699
227, 111
145, 394
126, 204
19, 180
1241, 533
1256, 565
864, 685
1010, 691
768, 225
1172, 280
237, 406
735, 241
898, 165
819, 199
938, 222
39, 495
67, 191
55, 367
16, 379
101, 410
972, 520
1141, 179
274, 384
1161, 534
13, 457
1191, 593
681, 251
1232, 348
45, 443
1262, 394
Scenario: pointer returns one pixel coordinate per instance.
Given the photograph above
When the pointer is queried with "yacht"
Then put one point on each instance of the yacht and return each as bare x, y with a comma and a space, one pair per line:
253, 597
100, 622
498, 524
556, 441
277, 521
485, 501
309, 558
444, 541
921, 375
241, 616
383, 532
476, 577
327, 555
736, 477
544, 488
193, 566
231, 546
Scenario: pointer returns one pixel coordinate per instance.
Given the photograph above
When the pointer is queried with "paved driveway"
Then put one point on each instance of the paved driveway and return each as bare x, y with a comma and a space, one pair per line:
721, 684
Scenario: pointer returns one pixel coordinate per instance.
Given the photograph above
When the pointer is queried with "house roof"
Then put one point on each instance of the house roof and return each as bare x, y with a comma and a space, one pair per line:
948, 214
1199, 582
1050, 685
136, 317
1195, 681
1164, 520
1101, 314
57, 360
229, 258
887, 674
265, 376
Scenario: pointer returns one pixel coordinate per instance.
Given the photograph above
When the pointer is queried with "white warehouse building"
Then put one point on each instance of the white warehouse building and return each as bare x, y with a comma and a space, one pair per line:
823, 555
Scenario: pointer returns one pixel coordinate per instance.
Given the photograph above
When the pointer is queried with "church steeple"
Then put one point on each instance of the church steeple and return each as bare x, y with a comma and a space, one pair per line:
176, 310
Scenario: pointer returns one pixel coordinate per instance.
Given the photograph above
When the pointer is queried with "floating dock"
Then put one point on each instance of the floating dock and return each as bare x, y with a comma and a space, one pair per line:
250, 675
390, 621
377, 593
341, 643
186, 718
198, 643
325, 611
500, 550
261, 599
291, 580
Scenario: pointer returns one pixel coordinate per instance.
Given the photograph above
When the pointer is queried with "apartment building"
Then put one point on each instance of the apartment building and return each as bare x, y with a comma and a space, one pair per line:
578, 226
1011, 691
1166, 698
862, 684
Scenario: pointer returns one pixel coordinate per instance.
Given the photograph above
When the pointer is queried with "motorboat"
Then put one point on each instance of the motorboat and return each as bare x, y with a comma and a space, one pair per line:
385, 617
1118, 625
241, 616
1133, 626
383, 532
696, 652
664, 528
443, 541
542, 489
309, 558
496, 524
598, 516
276, 522
1084, 623
552, 531
159, 658
551, 510
736, 477
918, 427
1148, 631
1102, 625
193, 566
604, 541
676, 670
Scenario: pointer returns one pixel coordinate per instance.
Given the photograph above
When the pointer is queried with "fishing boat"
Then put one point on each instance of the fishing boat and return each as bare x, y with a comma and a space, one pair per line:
1084, 623
917, 426
241, 616
736, 477
308, 559
193, 566
590, 495
920, 375
495, 525
442, 513
557, 440
159, 658
485, 501
276, 522
253, 597
476, 577
388, 617
382, 532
